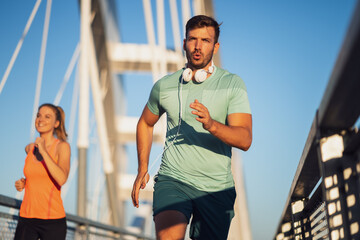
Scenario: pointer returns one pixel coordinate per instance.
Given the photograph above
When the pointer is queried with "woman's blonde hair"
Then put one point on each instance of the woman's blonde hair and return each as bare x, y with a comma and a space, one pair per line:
60, 131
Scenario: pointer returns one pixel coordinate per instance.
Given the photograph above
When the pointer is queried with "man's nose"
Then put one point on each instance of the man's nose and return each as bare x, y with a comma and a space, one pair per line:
198, 44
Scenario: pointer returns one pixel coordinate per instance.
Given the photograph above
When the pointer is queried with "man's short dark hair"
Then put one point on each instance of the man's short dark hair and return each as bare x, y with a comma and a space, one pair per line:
201, 21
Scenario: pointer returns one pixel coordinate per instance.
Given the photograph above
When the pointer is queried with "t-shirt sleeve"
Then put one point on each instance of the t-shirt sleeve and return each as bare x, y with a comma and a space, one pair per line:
154, 103
239, 102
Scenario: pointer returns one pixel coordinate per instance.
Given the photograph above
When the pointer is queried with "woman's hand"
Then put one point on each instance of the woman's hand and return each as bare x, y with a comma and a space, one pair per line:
40, 144
20, 184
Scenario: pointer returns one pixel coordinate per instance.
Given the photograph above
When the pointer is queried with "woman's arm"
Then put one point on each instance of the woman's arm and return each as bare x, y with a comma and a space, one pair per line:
60, 170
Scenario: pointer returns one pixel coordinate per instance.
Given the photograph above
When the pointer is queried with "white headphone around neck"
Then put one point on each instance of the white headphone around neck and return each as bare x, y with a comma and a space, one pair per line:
200, 75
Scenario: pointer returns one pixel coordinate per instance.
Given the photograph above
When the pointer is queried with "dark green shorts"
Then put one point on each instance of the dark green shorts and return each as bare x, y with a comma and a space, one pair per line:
211, 211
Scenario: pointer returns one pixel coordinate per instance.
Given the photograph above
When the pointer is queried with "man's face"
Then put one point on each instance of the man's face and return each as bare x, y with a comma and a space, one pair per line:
200, 47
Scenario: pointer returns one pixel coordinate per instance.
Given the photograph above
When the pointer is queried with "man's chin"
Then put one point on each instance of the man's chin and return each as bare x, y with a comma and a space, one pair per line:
197, 65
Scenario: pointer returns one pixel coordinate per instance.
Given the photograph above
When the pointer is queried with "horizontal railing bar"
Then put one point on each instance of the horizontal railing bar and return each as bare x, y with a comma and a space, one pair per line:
343, 88
318, 219
14, 203
8, 216
321, 235
317, 211
9, 202
320, 227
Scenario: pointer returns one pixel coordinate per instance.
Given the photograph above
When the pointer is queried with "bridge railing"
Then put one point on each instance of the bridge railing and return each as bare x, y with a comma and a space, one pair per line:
77, 227
324, 198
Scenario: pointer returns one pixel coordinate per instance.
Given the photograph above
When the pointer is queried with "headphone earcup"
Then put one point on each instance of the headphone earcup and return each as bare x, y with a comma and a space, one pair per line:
211, 69
187, 75
200, 75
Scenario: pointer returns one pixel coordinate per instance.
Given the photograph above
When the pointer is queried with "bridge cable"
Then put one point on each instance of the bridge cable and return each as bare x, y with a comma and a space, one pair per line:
41, 67
73, 111
19, 45
68, 73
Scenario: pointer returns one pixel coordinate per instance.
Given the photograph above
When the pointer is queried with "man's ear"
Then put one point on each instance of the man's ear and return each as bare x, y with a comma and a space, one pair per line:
216, 47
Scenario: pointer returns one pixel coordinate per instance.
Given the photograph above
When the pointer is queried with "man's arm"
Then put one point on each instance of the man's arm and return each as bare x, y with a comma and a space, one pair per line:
144, 135
238, 132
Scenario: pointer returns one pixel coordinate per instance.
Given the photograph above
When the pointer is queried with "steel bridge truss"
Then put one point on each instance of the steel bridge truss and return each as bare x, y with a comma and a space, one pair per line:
324, 199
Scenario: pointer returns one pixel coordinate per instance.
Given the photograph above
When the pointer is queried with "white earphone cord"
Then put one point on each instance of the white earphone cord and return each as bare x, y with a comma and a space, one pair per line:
177, 133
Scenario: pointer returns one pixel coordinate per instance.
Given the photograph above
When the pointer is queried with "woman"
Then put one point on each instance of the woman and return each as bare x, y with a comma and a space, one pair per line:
46, 169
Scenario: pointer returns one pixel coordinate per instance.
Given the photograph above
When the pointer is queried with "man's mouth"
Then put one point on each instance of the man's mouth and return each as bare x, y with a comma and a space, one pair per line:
197, 56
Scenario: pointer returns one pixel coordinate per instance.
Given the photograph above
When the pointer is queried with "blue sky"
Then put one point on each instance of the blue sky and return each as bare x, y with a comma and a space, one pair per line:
284, 51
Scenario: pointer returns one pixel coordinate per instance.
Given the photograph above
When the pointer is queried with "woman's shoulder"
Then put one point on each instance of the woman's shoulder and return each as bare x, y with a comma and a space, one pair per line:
29, 147
63, 149
63, 145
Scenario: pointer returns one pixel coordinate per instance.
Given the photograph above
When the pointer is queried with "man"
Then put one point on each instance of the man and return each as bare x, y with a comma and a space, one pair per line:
207, 113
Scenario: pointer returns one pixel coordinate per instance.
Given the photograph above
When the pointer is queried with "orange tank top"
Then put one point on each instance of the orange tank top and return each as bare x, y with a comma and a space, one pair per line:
42, 197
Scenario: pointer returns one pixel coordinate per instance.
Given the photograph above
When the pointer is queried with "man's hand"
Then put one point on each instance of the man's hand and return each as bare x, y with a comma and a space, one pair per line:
20, 184
140, 182
202, 114
236, 133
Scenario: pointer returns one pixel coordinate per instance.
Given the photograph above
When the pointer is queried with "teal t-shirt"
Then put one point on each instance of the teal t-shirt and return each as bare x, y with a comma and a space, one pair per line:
196, 157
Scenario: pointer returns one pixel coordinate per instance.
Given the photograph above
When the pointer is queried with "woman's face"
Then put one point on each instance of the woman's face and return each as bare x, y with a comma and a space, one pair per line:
46, 120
